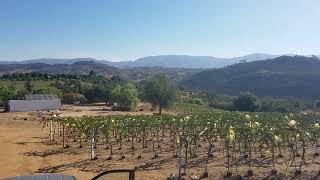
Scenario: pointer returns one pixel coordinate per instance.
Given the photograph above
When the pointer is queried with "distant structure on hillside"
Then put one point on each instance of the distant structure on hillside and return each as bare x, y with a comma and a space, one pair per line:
35, 102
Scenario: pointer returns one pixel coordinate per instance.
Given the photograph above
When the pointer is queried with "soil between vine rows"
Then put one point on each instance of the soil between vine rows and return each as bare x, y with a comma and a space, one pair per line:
25, 149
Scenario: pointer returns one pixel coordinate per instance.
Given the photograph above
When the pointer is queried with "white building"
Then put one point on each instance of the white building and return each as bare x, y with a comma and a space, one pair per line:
35, 102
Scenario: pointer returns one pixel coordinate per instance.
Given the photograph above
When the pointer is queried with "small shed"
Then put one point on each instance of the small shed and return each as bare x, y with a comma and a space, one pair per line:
35, 102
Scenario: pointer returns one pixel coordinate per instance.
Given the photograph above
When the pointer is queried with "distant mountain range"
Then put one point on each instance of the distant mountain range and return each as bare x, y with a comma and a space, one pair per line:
78, 67
165, 61
285, 76
84, 67
182, 61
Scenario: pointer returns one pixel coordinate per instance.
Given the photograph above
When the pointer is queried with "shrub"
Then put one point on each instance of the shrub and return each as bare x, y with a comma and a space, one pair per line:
70, 98
197, 101
126, 97
160, 92
246, 102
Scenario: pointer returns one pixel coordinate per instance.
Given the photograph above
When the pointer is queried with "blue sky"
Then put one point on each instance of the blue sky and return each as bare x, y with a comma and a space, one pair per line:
129, 29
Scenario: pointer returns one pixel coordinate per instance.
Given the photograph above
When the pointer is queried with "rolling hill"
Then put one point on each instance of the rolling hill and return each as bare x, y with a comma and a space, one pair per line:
183, 61
134, 74
165, 61
285, 76
81, 67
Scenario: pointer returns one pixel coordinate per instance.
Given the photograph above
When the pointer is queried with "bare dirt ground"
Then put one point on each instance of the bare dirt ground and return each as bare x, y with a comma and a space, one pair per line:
25, 149
20, 134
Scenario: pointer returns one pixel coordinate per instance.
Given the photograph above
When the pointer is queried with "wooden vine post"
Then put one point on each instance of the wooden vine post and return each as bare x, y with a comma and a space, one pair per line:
63, 136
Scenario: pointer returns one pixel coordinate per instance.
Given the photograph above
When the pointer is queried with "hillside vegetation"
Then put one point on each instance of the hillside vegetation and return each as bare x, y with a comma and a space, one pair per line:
165, 61
284, 76
134, 74
83, 67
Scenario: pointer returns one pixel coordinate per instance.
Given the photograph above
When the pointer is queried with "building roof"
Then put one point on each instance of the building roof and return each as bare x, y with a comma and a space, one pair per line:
34, 105
43, 177
41, 97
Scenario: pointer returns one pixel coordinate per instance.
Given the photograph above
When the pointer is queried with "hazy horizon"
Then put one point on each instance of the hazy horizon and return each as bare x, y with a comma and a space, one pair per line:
111, 60
127, 30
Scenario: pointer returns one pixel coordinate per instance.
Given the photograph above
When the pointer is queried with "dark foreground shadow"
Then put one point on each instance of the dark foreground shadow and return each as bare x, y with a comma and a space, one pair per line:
51, 152
64, 167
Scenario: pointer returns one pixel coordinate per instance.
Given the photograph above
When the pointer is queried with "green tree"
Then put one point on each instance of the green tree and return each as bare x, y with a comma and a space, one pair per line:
126, 96
92, 73
70, 98
98, 93
197, 101
6, 94
281, 105
48, 91
28, 85
246, 102
160, 92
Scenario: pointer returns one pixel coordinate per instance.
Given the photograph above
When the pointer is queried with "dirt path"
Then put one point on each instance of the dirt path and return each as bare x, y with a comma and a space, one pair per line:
12, 143
26, 150
17, 140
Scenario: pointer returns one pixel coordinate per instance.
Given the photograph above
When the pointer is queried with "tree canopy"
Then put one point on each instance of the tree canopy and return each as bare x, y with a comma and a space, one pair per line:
246, 102
98, 93
6, 93
160, 92
126, 96
28, 85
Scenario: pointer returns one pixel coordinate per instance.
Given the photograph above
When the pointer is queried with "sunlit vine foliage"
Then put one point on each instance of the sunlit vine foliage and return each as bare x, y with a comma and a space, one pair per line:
246, 135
